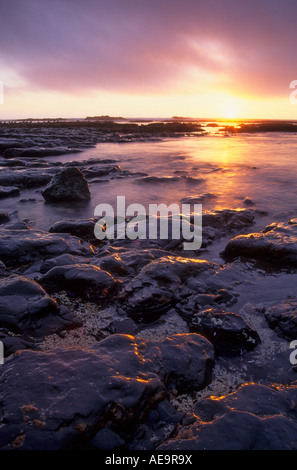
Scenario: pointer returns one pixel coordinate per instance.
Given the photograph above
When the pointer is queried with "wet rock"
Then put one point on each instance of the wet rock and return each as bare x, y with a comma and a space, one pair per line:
147, 241
126, 326
36, 152
8, 191
67, 185
82, 279
228, 332
11, 163
26, 178
215, 225
218, 224
93, 172
277, 242
62, 260
8, 143
169, 179
160, 422
157, 179
19, 247
283, 318
18, 225
75, 398
82, 228
12, 342
4, 217
25, 308
25, 200
198, 199
168, 282
256, 417
228, 219
248, 202
128, 263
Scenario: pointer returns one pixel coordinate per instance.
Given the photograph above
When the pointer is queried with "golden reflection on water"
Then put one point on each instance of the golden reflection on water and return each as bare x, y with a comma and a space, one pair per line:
229, 171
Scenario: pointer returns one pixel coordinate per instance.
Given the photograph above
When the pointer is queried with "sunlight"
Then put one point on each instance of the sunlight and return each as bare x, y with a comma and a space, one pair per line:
230, 114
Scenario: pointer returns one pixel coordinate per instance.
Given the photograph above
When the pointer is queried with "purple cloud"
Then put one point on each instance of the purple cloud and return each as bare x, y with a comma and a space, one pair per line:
149, 45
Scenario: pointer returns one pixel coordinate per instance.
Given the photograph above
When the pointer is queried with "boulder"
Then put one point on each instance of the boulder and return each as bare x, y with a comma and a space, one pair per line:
62, 260
26, 178
85, 280
67, 185
19, 247
8, 191
4, 217
13, 342
25, 308
99, 398
228, 332
277, 242
283, 318
160, 284
255, 417
82, 228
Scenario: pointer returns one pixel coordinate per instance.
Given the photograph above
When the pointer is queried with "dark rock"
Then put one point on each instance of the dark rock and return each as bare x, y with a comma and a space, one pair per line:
248, 202
25, 308
277, 242
76, 398
160, 422
129, 263
85, 280
93, 172
218, 224
256, 417
30, 199
36, 152
198, 199
19, 247
174, 281
157, 179
228, 332
82, 228
12, 343
283, 318
11, 163
169, 179
8, 144
27, 178
4, 217
228, 219
68, 185
126, 326
18, 225
62, 260
8, 191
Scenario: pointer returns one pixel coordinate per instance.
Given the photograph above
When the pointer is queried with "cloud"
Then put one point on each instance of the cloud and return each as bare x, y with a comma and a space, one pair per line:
151, 46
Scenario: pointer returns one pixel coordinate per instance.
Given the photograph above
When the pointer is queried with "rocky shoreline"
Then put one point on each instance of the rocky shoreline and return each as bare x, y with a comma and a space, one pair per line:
137, 344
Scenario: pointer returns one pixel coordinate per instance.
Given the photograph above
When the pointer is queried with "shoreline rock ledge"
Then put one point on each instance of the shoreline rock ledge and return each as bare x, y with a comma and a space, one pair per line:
67, 185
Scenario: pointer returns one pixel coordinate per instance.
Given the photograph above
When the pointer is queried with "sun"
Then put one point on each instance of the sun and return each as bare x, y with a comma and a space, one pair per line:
230, 114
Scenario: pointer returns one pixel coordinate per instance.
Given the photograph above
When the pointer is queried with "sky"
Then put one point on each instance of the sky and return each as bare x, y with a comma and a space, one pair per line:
148, 58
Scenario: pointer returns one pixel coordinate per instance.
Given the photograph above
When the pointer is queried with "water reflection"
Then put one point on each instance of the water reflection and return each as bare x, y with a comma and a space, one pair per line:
260, 167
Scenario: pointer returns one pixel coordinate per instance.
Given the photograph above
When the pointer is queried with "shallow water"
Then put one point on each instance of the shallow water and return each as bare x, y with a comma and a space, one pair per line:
261, 167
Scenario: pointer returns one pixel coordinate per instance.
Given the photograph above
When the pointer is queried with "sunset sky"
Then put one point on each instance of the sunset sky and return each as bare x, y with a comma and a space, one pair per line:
154, 58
